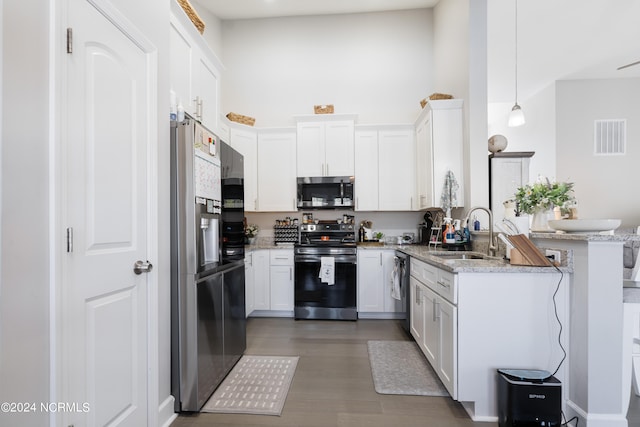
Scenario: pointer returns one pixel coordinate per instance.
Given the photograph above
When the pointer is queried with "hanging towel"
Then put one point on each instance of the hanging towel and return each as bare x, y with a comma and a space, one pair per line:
449, 198
327, 270
395, 283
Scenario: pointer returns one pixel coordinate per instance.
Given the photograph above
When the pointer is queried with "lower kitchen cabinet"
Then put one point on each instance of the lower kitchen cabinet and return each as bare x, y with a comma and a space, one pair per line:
281, 279
261, 288
249, 286
375, 267
468, 324
272, 282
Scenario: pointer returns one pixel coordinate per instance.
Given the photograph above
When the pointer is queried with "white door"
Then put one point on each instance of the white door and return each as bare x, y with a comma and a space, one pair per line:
339, 150
107, 150
397, 172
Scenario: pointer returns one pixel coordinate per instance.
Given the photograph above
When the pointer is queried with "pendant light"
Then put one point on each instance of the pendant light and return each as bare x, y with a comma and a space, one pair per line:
516, 117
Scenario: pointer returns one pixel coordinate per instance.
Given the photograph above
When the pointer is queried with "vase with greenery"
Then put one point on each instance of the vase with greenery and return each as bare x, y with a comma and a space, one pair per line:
540, 198
251, 232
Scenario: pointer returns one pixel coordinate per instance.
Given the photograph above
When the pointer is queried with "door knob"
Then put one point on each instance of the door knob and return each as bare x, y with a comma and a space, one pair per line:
142, 267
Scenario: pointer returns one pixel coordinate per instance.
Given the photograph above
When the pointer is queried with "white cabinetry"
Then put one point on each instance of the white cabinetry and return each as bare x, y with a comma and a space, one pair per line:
261, 292
439, 147
375, 283
194, 70
245, 141
385, 168
507, 172
325, 145
277, 170
281, 278
435, 320
249, 286
470, 323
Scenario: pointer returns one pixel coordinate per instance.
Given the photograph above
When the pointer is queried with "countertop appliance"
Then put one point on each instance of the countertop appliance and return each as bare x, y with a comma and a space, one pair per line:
325, 285
325, 192
208, 325
402, 266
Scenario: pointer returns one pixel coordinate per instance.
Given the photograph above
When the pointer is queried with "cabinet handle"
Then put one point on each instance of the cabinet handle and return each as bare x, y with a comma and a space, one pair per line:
290, 273
327, 171
380, 258
436, 311
418, 296
443, 284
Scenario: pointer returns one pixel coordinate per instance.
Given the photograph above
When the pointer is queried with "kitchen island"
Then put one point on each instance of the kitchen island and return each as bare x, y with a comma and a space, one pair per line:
473, 316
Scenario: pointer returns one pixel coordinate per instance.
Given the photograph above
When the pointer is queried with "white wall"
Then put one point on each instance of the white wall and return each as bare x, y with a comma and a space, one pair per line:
24, 293
376, 65
606, 186
212, 28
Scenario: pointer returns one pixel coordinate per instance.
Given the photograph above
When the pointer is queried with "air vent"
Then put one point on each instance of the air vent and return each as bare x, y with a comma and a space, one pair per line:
610, 137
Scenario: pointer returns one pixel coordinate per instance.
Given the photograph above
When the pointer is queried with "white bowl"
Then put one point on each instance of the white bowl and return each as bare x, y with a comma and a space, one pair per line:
584, 225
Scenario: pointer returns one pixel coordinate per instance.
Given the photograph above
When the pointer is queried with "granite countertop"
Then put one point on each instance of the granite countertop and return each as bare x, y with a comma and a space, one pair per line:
486, 265
616, 237
429, 255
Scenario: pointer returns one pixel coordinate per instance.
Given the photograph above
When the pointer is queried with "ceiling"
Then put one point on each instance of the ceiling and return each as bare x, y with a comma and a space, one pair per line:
248, 9
571, 39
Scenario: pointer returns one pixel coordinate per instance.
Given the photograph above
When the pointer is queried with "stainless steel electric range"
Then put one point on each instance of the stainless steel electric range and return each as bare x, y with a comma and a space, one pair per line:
325, 272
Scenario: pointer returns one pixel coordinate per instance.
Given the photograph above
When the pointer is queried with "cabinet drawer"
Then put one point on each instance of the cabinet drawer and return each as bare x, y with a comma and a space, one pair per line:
281, 257
426, 273
442, 282
446, 286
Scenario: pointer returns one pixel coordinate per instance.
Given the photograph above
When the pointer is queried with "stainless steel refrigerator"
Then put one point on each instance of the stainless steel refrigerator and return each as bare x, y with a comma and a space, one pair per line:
208, 324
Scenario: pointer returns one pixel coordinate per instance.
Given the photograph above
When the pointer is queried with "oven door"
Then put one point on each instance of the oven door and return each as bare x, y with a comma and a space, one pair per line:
315, 299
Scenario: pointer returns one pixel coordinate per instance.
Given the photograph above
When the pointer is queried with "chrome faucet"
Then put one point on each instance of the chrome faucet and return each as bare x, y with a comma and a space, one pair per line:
493, 243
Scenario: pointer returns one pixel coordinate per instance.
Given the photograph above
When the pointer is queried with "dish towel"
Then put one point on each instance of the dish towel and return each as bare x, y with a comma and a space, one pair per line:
395, 280
449, 198
327, 270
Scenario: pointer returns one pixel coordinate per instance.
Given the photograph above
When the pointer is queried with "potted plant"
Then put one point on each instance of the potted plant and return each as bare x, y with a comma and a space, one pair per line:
540, 198
251, 231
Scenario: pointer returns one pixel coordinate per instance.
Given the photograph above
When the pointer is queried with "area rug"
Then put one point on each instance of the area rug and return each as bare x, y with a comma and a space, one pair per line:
256, 385
398, 367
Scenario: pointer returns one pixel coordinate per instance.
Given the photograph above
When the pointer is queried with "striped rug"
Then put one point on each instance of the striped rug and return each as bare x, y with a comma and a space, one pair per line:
256, 385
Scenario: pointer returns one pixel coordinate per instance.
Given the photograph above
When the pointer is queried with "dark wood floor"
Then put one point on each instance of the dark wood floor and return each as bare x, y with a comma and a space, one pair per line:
332, 385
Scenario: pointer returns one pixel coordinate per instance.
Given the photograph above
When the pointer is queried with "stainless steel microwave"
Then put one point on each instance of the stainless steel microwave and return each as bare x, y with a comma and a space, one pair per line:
326, 192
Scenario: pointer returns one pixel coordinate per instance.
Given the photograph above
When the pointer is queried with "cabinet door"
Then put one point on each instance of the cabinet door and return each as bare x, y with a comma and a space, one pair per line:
370, 286
310, 145
424, 164
417, 312
397, 170
448, 332
207, 83
431, 337
181, 50
262, 289
281, 278
249, 286
339, 148
447, 134
277, 172
246, 143
391, 305
366, 170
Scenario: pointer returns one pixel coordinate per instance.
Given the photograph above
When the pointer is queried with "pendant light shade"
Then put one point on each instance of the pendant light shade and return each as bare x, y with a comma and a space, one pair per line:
516, 117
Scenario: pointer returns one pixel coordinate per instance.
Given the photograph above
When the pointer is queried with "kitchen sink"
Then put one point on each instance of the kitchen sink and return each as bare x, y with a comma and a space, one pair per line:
459, 255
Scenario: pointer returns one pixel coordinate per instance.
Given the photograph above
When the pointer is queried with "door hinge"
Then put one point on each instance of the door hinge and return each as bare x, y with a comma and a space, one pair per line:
69, 40
69, 240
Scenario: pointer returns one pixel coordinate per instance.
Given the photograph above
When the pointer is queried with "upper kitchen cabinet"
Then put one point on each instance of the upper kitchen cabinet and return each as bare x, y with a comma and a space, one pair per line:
325, 145
385, 168
439, 149
244, 139
277, 170
194, 70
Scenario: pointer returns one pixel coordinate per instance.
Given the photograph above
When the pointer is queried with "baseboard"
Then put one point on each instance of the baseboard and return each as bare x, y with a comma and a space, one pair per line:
587, 419
383, 316
271, 313
166, 412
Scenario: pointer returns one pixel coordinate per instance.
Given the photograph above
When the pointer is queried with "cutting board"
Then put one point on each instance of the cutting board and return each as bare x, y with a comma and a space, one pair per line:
526, 253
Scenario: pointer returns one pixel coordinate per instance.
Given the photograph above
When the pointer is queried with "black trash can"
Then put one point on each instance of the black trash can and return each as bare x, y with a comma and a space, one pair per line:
528, 398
